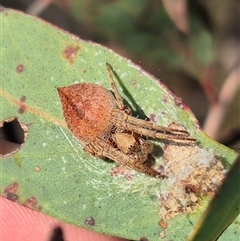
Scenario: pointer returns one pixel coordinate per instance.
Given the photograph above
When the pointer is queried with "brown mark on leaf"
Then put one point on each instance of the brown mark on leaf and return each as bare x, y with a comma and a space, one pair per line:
30, 203
163, 223
19, 68
90, 221
22, 105
178, 101
153, 118
11, 191
12, 197
12, 188
70, 53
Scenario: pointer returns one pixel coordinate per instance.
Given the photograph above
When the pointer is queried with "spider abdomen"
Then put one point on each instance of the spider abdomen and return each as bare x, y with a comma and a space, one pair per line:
86, 109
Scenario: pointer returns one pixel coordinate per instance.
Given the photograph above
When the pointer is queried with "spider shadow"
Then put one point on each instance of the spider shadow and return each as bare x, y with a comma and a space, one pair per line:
136, 110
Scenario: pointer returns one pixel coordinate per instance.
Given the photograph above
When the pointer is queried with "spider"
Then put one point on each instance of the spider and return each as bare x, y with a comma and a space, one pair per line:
105, 127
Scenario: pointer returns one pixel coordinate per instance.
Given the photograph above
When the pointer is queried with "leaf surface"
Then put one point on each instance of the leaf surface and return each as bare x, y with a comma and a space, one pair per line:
50, 172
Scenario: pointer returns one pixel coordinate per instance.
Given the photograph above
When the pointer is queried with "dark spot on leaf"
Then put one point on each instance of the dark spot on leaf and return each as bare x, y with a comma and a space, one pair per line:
21, 110
23, 107
19, 68
12, 136
11, 190
190, 188
143, 239
70, 53
178, 101
90, 221
30, 203
163, 112
134, 82
12, 197
153, 118
180, 210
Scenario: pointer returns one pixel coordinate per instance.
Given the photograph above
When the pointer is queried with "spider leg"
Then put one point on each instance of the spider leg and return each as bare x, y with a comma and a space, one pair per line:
149, 129
103, 149
119, 100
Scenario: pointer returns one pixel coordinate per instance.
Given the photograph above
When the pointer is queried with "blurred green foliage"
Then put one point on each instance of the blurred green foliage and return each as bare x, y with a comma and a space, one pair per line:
143, 28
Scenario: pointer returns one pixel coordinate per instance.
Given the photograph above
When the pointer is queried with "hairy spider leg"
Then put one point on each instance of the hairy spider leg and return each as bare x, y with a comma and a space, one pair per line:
142, 127
118, 97
101, 148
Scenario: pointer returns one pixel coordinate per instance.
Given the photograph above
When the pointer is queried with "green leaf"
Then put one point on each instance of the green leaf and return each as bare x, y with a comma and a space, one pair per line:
51, 173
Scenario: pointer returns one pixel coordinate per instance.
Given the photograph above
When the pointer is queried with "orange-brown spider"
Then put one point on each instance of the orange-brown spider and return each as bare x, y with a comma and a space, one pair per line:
105, 127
